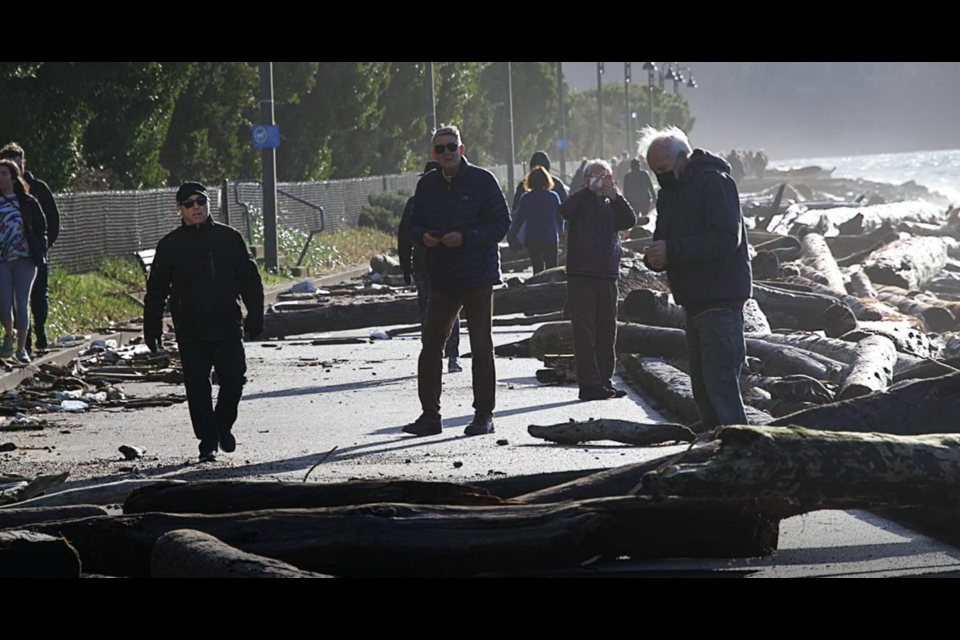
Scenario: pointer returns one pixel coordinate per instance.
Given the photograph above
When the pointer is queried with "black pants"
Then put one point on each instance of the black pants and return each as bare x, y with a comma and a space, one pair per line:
543, 255
39, 308
593, 314
228, 359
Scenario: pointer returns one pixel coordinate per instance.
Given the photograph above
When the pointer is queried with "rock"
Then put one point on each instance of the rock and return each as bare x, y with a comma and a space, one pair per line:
132, 453
503, 443
8, 447
458, 465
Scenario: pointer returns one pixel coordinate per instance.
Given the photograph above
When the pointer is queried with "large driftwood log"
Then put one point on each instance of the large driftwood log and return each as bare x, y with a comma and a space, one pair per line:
860, 285
911, 263
391, 540
819, 471
672, 389
658, 309
862, 256
909, 409
37, 486
192, 555
863, 310
655, 342
219, 497
791, 389
26, 554
845, 246
622, 431
534, 299
834, 349
101, 495
810, 310
910, 341
509, 487
817, 255
872, 369
19, 518
937, 319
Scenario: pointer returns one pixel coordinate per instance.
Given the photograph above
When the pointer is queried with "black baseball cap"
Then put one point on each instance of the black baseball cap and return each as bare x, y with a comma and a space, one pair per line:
188, 189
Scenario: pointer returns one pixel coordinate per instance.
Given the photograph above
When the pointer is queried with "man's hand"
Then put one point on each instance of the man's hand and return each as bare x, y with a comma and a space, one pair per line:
430, 242
153, 342
452, 240
407, 277
252, 329
657, 254
608, 190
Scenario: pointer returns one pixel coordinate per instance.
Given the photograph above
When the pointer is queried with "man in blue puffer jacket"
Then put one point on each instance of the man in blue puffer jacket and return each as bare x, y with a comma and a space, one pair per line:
460, 216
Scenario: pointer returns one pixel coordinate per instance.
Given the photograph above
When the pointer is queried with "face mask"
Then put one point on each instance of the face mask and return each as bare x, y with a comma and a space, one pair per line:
668, 181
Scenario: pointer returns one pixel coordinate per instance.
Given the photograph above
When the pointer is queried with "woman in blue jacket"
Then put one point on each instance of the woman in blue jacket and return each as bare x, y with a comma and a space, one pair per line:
538, 219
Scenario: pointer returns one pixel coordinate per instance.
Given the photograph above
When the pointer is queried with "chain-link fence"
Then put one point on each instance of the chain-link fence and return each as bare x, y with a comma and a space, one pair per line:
120, 223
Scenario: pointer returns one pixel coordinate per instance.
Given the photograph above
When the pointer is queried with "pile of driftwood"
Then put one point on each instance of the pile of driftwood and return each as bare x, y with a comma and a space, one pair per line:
89, 382
723, 498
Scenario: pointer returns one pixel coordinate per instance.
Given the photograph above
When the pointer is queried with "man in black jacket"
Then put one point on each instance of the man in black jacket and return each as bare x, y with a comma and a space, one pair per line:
460, 216
204, 268
39, 300
701, 242
413, 260
595, 215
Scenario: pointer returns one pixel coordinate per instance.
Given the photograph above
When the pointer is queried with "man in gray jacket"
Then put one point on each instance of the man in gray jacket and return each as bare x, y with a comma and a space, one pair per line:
701, 242
595, 215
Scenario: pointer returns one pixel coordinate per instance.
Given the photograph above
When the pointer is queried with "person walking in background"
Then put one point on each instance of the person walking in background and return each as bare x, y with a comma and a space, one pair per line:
23, 247
206, 268
701, 242
39, 297
460, 216
595, 216
539, 211
541, 159
638, 188
413, 261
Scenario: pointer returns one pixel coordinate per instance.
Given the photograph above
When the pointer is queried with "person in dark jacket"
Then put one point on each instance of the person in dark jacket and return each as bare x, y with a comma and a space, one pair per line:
638, 188
541, 159
539, 210
701, 242
23, 248
595, 215
413, 261
460, 216
204, 269
39, 298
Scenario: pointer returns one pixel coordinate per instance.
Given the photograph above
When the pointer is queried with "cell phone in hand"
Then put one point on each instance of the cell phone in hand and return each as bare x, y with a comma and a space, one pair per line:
436, 234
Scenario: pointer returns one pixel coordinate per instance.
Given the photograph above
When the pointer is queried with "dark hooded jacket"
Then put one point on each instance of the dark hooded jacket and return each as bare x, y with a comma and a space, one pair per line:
471, 204
541, 159
702, 224
593, 240
204, 270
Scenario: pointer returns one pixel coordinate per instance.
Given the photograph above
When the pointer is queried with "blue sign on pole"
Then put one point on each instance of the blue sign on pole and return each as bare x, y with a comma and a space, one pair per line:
266, 136
563, 144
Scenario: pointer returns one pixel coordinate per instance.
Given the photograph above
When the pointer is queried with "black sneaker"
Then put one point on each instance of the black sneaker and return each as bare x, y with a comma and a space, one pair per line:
596, 393
617, 393
481, 426
206, 458
228, 443
424, 427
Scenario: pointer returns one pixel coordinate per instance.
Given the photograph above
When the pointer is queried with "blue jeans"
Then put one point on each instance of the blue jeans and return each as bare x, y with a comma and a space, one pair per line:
717, 352
452, 349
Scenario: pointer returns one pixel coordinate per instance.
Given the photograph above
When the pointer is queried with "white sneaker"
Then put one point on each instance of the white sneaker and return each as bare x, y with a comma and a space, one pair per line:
22, 356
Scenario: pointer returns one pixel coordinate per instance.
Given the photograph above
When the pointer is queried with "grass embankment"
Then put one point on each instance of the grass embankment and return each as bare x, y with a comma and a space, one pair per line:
81, 303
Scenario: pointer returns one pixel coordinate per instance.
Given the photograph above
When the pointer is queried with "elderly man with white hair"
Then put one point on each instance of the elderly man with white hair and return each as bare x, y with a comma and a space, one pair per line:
701, 242
595, 216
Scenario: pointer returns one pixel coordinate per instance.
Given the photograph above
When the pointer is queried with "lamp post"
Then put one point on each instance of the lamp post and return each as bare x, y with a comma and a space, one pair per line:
271, 247
651, 69
562, 119
626, 86
600, 105
511, 177
431, 99
678, 80
669, 70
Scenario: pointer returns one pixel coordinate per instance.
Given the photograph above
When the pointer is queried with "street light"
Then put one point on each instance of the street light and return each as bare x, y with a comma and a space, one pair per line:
627, 77
678, 79
651, 69
600, 104
670, 70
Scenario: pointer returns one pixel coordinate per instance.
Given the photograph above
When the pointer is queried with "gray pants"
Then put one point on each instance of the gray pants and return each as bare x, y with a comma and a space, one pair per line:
16, 281
593, 314
717, 352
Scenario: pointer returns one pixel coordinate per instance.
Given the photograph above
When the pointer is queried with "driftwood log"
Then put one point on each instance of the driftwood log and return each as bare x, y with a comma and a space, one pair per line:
819, 471
817, 255
621, 431
658, 309
908, 409
25, 554
937, 319
835, 350
813, 312
20, 518
872, 368
191, 554
844, 246
911, 263
105, 494
390, 540
221, 497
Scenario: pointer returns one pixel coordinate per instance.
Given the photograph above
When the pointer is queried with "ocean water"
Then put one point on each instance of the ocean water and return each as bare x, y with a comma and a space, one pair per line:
937, 170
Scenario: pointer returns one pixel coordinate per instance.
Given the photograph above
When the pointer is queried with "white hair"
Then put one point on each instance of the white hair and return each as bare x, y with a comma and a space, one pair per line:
593, 164
673, 138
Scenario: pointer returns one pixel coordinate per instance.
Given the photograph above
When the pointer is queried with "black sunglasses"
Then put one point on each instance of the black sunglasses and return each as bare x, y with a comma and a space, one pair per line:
189, 204
452, 147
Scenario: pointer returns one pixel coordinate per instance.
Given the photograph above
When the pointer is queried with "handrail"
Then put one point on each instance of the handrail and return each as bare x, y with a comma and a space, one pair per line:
295, 198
